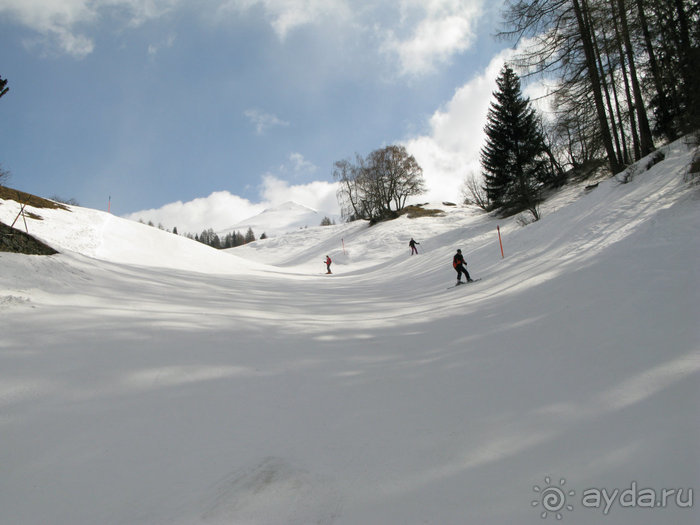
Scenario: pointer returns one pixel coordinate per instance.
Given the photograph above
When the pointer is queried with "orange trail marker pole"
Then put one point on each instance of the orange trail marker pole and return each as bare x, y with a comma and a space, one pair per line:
500, 242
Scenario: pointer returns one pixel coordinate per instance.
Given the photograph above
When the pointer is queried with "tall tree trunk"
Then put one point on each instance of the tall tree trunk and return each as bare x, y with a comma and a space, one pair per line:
626, 157
689, 69
628, 94
646, 141
604, 86
684, 32
594, 78
666, 125
667, 67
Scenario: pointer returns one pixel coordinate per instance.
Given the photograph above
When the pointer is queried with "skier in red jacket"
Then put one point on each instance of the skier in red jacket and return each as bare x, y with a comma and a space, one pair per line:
460, 265
328, 264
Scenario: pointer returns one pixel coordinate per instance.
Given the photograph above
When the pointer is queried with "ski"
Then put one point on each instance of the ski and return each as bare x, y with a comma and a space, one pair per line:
458, 284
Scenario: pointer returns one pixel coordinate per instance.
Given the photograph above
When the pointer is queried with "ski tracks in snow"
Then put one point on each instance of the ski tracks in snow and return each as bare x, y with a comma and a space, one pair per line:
270, 491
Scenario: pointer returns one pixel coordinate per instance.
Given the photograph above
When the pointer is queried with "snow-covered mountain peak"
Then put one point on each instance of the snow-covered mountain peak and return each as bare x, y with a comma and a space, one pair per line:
282, 218
289, 206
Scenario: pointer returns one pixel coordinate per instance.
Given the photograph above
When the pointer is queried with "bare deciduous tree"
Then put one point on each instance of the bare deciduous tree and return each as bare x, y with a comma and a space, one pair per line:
474, 193
377, 187
4, 175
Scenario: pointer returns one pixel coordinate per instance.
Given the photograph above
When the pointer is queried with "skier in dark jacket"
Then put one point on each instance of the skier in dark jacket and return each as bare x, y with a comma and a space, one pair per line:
412, 244
460, 265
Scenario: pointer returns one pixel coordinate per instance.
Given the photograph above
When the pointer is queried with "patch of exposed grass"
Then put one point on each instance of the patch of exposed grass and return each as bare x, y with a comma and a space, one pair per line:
415, 211
29, 199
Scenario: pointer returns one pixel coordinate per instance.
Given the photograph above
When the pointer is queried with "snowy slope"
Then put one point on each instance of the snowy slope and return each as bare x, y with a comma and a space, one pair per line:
103, 236
272, 394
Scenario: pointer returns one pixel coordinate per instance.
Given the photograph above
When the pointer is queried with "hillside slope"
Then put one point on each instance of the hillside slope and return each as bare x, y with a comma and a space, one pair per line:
103, 236
142, 386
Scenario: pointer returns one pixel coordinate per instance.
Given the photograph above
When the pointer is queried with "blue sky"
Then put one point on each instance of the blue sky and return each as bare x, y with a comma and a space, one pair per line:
203, 112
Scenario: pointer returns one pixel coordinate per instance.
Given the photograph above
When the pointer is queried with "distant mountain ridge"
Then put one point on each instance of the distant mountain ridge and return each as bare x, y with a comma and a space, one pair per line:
278, 220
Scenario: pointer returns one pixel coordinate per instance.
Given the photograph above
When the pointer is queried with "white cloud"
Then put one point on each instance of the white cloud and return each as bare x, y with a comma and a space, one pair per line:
541, 99
222, 209
263, 121
219, 210
78, 46
140, 11
319, 195
422, 34
62, 24
451, 150
437, 30
287, 15
301, 165
54, 21
154, 49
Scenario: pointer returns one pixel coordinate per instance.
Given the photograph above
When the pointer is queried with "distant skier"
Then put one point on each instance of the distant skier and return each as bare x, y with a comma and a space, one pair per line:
460, 265
412, 244
328, 264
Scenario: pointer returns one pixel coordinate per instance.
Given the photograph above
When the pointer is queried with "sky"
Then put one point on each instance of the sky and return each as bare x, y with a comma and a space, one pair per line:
200, 113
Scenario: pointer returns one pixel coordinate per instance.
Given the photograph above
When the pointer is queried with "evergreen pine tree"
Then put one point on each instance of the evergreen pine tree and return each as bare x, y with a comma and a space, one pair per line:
514, 157
204, 237
214, 241
249, 236
228, 240
238, 239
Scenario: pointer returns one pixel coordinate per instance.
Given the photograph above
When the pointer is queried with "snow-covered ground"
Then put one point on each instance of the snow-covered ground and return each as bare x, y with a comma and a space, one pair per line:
148, 379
